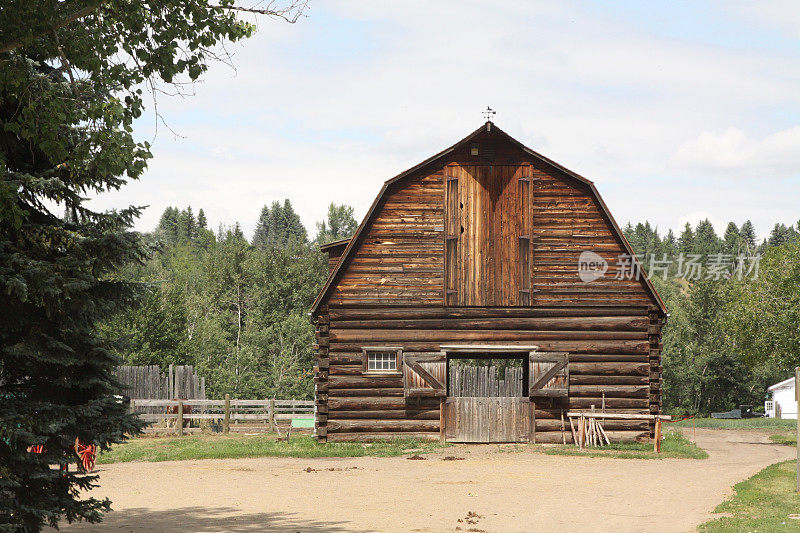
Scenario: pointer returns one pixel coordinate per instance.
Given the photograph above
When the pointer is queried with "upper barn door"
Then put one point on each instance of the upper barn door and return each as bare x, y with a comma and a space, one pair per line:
487, 233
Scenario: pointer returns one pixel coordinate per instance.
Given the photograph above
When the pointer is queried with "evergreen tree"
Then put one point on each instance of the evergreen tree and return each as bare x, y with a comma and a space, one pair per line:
340, 224
669, 245
294, 230
202, 223
733, 242
168, 224
187, 226
706, 241
279, 225
69, 95
686, 240
748, 234
779, 235
261, 235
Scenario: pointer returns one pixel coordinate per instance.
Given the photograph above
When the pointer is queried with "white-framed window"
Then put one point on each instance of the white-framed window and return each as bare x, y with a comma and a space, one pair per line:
382, 360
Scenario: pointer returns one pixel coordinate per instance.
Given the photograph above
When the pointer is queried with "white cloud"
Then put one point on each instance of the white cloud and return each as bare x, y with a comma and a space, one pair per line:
328, 109
780, 15
734, 153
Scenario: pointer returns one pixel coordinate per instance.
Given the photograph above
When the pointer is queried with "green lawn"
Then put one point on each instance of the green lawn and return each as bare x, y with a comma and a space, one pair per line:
674, 445
154, 449
742, 423
763, 503
263, 445
790, 439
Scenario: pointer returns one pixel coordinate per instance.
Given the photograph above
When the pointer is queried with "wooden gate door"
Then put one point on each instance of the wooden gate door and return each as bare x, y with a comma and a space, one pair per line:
481, 419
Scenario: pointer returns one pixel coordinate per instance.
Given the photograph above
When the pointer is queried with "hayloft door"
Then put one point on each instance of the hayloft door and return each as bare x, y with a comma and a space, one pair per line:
487, 235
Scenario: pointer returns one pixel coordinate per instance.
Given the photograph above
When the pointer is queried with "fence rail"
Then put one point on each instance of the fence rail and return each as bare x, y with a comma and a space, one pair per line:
272, 412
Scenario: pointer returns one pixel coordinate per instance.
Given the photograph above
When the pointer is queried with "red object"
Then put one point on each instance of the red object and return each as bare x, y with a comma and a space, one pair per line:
87, 455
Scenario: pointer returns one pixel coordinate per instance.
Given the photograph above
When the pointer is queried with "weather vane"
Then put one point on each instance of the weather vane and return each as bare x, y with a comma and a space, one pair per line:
488, 113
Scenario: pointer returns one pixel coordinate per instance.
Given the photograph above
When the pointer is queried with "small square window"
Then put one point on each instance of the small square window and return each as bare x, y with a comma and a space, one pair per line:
382, 360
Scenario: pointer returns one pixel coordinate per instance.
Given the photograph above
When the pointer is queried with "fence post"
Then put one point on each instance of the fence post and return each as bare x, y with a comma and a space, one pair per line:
657, 443
442, 420
132, 407
797, 410
272, 415
180, 418
226, 422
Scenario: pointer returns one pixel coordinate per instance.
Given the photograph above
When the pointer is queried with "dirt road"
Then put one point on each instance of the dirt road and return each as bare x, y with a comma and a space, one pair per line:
489, 490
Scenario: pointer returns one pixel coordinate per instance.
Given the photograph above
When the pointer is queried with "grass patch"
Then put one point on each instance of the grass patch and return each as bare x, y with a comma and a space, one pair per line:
264, 445
789, 439
674, 446
762, 503
740, 423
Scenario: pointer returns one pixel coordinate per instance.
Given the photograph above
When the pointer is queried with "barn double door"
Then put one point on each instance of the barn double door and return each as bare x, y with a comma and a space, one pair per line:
488, 225
487, 419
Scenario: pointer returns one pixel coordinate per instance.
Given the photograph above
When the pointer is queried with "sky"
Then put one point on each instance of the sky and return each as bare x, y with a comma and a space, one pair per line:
678, 111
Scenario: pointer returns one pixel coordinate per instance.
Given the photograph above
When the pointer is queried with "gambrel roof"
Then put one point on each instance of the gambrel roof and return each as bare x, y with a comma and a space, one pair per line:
485, 128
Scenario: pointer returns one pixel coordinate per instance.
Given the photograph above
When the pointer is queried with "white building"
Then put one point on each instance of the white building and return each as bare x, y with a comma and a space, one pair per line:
782, 402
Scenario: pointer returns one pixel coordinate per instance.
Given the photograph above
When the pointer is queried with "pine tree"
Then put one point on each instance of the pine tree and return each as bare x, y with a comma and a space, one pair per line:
748, 234
733, 242
56, 368
669, 245
706, 241
237, 233
279, 225
168, 224
686, 240
202, 223
261, 235
69, 95
779, 235
294, 230
187, 226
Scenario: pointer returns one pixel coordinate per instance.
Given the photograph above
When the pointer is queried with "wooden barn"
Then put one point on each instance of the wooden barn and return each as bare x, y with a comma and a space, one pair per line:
487, 292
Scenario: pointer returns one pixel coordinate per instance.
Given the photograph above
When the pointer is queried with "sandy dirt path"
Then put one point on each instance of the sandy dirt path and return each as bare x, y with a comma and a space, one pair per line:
507, 490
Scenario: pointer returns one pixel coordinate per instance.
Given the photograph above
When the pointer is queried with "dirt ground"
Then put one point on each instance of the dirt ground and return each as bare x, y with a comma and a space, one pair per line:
489, 490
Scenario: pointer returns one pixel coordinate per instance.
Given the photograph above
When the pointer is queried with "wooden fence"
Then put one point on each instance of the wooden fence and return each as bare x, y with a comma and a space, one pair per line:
269, 413
149, 382
485, 381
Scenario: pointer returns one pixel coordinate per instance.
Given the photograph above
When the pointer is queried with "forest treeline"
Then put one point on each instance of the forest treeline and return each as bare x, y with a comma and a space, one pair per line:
730, 333
237, 308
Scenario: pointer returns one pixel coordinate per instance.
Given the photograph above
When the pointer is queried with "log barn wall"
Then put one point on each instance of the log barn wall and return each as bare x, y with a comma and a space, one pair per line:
411, 278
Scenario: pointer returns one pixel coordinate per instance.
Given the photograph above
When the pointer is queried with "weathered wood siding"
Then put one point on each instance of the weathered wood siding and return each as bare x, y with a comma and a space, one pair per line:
400, 259
567, 220
396, 288
610, 355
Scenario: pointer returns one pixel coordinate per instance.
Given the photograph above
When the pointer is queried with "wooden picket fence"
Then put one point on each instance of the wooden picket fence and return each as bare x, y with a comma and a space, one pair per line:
485, 381
270, 414
150, 382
